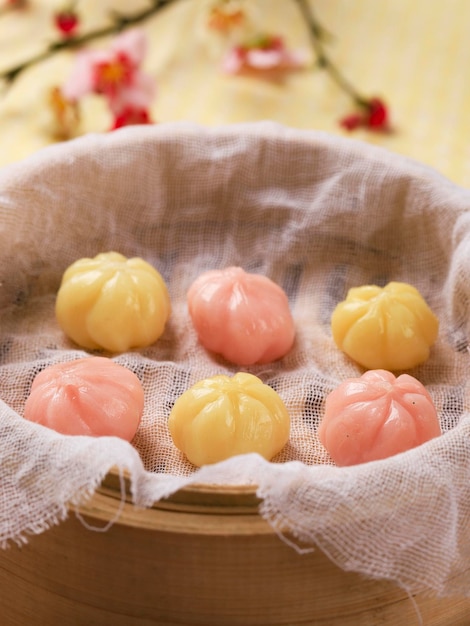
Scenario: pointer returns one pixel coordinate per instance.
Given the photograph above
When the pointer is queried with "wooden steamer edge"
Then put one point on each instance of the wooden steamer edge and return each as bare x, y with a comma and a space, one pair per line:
203, 556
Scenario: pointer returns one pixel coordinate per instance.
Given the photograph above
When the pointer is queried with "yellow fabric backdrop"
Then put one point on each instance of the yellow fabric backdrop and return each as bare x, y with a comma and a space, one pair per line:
413, 53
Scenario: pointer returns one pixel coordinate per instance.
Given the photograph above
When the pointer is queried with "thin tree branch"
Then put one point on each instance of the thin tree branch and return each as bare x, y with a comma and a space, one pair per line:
120, 22
316, 35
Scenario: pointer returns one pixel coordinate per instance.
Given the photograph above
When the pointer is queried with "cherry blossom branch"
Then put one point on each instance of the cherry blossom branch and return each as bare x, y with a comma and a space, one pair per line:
374, 113
120, 22
323, 61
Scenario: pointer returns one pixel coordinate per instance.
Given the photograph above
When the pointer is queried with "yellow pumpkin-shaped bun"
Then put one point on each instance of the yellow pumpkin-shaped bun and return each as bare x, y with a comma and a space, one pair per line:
223, 416
113, 303
389, 328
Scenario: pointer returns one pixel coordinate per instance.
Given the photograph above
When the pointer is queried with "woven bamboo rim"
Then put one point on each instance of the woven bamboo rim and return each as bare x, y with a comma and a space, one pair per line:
209, 557
195, 498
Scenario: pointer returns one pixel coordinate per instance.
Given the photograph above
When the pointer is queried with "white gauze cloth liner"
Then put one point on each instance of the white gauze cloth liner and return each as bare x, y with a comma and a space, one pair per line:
317, 214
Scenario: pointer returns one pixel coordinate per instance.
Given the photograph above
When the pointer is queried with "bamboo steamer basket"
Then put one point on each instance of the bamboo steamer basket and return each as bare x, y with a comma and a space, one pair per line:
203, 556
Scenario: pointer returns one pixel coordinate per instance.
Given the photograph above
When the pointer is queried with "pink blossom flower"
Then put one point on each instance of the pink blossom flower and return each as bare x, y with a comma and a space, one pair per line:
129, 115
374, 116
264, 55
223, 18
66, 114
67, 21
114, 73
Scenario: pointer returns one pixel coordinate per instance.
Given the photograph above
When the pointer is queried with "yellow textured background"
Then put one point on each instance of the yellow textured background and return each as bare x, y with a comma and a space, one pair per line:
413, 53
